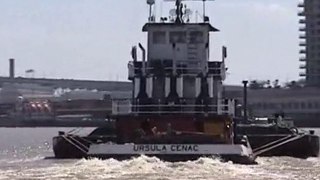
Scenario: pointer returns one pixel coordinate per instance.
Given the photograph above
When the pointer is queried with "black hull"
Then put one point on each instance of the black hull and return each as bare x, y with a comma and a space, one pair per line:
307, 146
63, 148
69, 149
304, 147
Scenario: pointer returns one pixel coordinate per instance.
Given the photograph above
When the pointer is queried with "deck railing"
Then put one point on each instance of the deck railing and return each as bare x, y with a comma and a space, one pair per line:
180, 69
122, 107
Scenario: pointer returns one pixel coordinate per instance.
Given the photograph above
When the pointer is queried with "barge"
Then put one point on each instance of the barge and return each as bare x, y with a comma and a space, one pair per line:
272, 138
276, 136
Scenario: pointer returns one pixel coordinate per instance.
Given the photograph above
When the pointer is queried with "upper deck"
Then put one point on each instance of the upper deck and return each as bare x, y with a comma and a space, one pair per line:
153, 25
175, 74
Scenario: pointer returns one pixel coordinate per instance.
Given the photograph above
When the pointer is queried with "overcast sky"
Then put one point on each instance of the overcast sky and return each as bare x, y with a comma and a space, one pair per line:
91, 39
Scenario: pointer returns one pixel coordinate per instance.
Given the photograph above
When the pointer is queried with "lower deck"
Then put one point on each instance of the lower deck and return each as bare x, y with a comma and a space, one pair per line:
217, 127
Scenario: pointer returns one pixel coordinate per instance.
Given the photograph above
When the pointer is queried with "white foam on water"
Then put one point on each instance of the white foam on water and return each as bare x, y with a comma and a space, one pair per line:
23, 160
140, 168
290, 168
282, 168
315, 160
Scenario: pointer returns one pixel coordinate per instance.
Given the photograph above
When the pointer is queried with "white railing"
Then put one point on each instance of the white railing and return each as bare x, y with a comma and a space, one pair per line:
220, 71
122, 107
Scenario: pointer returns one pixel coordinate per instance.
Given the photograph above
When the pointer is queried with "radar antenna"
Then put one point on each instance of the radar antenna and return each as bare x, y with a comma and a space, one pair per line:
179, 12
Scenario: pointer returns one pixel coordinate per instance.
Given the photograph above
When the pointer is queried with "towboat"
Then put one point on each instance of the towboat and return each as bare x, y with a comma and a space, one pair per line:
177, 111
167, 144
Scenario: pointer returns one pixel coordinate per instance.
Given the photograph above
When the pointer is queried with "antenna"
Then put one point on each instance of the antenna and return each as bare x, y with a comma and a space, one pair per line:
204, 9
172, 15
179, 4
178, 10
205, 18
150, 3
187, 14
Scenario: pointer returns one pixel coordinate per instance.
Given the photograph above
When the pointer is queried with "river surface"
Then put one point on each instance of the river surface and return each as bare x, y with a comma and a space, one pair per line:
23, 152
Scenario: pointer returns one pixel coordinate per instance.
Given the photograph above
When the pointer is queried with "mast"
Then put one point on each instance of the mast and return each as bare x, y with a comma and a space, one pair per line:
151, 3
179, 12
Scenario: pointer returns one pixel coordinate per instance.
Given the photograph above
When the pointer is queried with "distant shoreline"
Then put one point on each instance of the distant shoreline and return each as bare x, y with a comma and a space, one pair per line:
6, 123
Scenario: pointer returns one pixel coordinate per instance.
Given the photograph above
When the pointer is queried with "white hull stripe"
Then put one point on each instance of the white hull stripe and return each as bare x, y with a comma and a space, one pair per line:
177, 149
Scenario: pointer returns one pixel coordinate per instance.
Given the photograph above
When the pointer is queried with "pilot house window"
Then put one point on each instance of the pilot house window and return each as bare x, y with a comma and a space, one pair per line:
196, 37
159, 37
178, 37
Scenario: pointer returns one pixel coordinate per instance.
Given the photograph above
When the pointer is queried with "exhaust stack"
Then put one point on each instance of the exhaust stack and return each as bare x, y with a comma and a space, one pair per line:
245, 100
11, 68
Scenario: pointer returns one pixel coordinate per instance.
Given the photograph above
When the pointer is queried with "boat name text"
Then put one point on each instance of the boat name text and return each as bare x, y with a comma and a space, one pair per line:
164, 148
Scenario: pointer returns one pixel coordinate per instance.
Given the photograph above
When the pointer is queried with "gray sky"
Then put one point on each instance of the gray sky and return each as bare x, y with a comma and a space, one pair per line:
91, 39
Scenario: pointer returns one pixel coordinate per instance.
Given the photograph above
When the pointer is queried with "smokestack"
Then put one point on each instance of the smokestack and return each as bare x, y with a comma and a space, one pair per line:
143, 59
11, 68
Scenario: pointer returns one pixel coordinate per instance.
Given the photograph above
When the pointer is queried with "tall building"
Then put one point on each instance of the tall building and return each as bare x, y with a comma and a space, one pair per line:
309, 13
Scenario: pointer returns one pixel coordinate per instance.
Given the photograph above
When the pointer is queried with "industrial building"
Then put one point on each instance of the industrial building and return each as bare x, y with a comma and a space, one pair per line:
300, 104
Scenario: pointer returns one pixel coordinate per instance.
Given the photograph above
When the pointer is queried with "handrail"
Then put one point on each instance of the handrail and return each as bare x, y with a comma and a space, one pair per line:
174, 112
179, 68
168, 105
126, 107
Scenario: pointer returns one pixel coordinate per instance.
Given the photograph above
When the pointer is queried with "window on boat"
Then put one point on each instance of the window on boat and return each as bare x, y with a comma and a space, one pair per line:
159, 37
178, 37
196, 37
